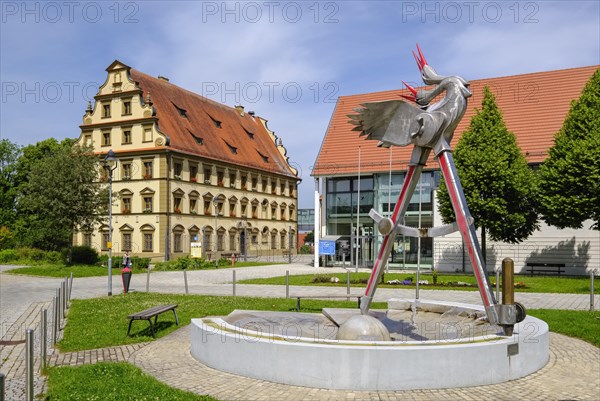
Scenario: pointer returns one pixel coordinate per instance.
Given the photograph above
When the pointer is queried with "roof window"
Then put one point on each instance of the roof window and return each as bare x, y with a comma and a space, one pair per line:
198, 139
182, 112
217, 123
265, 158
250, 134
233, 149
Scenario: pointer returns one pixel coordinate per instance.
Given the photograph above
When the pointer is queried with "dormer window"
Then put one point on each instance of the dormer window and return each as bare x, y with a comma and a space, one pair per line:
198, 140
233, 149
265, 158
182, 112
250, 134
217, 123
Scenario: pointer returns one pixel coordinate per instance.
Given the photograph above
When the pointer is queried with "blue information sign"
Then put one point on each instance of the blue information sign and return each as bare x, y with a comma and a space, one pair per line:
326, 247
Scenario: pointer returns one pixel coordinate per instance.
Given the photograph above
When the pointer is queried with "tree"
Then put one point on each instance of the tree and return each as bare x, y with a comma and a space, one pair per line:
500, 188
62, 195
570, 176
310, 237
9, 154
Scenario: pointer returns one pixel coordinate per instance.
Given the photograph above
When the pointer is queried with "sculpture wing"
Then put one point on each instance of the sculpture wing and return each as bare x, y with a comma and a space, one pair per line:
390, 121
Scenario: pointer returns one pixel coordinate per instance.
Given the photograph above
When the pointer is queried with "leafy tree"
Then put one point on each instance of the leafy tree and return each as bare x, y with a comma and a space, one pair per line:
570, 176
62, 195
310, 237
9, 154
500, 188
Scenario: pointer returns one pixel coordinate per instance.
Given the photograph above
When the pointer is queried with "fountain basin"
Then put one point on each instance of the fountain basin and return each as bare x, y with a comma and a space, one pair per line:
300, 349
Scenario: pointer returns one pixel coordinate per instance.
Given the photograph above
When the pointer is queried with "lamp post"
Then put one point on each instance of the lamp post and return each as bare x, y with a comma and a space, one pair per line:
110, 164
216, 204
243, 244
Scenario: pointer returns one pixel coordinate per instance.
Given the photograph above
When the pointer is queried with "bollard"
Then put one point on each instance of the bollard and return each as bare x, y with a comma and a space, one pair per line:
234, 283
1, 386
592, 308
67, 293
348, 284
126, 274
58, 315
54, 320
508, 288
70, 286
63, 303
148, 279
29, 365
497, 284
287, 284
43, 333
232, 259
185, 280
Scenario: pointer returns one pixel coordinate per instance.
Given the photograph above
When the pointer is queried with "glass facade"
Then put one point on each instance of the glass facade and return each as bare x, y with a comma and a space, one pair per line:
379, 192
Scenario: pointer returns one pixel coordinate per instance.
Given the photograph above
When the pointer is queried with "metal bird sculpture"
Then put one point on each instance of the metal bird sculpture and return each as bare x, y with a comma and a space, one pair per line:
427, 125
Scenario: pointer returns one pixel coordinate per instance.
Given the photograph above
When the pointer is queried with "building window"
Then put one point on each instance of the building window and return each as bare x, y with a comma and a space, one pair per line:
232, 148
221, 178
106, 110
273, 188
282, 213
147, 170
177, 169
255, 211
126, 240
232, 180
207, 174
244, 183
208, 240
283, 241
106, 139
105, 241
244, 209
193, 173
177, 243
264, 185
126, 171
273, 212
126, 108
87, 239
147, 204
282, 190
220, 240
254, 239
273, 241
126, 205
126, 137
250, 134
147, 134
217, 123
88, 140
148, 244
232, 241
177, 205
193, 206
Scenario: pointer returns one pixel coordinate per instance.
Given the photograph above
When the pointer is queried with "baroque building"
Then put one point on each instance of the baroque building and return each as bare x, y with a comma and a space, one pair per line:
189, 170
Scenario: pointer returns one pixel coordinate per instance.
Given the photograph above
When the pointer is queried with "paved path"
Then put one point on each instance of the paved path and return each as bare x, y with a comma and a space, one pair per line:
22, 298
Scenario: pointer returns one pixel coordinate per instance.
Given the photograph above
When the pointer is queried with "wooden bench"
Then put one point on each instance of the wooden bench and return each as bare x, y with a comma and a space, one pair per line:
348, 296
148, 314
543, 267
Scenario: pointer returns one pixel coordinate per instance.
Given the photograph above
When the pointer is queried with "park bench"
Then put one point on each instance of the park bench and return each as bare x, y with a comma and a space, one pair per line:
543, 267
347, 296
148, 314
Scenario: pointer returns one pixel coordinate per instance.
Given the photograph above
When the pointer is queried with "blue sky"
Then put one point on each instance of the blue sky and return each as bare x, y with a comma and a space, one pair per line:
287, 61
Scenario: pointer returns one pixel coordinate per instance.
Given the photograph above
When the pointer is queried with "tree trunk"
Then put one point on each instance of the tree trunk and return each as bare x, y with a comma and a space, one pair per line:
70, 249
483, 246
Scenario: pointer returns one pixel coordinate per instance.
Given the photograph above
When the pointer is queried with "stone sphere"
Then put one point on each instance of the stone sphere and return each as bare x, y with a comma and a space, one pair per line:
363, 328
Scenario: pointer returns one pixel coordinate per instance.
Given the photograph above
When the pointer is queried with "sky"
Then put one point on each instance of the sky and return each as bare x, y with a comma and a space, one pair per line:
287, 61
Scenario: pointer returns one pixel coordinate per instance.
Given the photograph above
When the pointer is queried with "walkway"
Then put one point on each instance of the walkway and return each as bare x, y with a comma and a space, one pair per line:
572, 374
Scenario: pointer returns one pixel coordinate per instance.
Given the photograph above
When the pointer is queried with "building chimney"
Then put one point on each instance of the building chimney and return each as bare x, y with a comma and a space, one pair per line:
163, 78
251, 113
240, 109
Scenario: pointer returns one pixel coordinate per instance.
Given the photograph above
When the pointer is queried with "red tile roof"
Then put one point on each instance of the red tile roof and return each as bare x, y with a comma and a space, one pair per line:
534, 107
240, 140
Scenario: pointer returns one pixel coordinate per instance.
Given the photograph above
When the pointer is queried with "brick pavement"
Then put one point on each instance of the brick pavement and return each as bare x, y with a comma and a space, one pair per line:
572, 373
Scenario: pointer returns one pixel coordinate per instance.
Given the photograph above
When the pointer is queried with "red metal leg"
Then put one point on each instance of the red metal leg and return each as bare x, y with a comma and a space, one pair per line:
418, 160
461, 210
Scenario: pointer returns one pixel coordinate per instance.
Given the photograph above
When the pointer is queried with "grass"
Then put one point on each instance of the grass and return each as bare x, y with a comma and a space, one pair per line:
63, 271
102, 322
109, 381
570, 285
579, 324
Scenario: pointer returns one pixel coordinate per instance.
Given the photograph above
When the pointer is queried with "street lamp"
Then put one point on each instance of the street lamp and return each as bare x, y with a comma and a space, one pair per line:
243, 244
216, 204
110, 164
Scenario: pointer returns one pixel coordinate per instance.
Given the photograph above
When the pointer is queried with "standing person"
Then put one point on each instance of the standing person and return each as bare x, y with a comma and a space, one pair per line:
126, 260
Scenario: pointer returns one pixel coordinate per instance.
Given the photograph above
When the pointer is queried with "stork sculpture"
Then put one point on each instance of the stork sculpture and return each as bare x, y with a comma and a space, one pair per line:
428, 126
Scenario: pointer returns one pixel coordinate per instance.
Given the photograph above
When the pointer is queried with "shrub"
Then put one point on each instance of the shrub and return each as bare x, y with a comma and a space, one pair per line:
321, 278
140, 263
84, 255
305, 249
434, 275
54, 257
8, 255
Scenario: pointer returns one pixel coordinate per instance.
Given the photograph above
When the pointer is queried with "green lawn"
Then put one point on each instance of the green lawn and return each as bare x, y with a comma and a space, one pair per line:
572, 285
109, 381
102, 322
65, 271
580, 324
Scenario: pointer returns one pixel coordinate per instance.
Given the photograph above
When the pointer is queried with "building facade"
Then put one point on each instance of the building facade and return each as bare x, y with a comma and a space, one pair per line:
189, 170
353, 176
